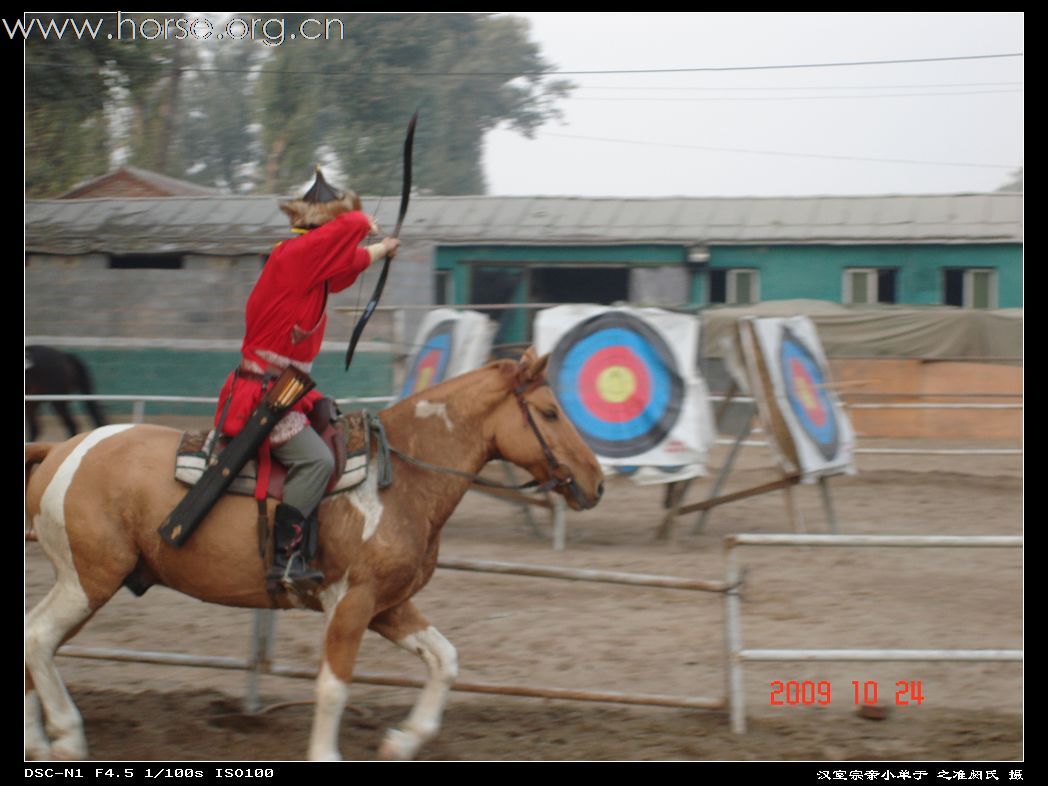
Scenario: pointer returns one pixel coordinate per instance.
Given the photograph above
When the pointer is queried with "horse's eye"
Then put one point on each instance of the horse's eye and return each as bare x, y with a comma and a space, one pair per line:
549, 414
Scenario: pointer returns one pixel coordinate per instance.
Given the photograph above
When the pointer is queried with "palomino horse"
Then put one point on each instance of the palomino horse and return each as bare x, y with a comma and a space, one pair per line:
53, 372
96, 502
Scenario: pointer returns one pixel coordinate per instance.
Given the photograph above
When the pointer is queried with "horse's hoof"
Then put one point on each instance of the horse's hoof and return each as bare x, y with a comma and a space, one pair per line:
326, 756
38, 753
68, 750
399, 746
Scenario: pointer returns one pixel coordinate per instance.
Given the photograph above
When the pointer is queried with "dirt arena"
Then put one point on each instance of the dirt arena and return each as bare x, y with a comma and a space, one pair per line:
603, 637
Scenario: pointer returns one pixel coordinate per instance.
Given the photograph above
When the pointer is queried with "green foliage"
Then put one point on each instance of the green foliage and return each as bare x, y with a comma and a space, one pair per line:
253, 116
463, 72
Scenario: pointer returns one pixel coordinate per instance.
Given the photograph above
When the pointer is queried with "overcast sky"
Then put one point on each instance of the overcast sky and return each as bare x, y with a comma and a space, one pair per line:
660, 120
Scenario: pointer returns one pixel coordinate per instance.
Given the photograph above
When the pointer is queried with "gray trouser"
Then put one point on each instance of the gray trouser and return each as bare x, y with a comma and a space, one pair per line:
310, 464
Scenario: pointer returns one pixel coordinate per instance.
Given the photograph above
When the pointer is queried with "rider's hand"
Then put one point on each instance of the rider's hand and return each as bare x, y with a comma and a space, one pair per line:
391, 244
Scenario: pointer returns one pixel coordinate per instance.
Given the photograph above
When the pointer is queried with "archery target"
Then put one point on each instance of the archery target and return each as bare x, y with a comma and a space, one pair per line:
448, 343
617, 380
806, 391
431, 360
789, 377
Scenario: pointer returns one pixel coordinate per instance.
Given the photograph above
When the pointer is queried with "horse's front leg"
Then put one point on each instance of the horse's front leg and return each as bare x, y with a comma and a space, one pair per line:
405, 626
348, 615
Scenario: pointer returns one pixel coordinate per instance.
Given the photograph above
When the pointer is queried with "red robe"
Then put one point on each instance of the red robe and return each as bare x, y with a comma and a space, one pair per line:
286, 309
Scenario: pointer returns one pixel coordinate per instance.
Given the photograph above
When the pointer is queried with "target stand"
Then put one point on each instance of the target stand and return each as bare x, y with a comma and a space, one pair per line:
788, 378
549, 501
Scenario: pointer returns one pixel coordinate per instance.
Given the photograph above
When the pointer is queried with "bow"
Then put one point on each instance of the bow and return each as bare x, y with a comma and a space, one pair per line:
405, 196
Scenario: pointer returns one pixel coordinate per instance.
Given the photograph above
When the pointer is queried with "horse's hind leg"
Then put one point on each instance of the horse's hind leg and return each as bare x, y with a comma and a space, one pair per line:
62, 408
37, 746
97, 413
405, 626
72, 600
31, 408
56, 618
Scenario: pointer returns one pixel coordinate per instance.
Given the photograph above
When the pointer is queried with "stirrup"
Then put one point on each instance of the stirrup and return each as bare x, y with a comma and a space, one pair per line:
302, 580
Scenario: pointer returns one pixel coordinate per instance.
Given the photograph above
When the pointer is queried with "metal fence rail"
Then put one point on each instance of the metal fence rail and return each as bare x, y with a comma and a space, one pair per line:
259, 661
139, 410
737, 655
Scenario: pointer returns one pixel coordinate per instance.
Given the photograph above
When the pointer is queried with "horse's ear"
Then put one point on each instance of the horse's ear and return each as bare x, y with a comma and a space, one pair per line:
531, 368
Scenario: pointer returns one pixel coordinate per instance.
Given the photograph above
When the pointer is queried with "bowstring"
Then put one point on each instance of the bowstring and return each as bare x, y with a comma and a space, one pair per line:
358, 312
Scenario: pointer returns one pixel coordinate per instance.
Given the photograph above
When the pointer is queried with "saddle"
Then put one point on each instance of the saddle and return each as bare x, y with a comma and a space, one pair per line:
346, 437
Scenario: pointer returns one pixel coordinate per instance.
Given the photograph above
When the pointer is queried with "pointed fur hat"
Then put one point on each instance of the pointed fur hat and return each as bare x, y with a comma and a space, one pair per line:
319, 205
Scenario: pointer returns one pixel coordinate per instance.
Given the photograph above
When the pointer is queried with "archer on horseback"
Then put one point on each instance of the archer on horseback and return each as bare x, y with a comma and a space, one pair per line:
285, 322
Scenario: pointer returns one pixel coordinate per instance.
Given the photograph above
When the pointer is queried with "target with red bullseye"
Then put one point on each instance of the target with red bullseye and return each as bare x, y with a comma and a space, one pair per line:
806, 391
617, 381
431, 361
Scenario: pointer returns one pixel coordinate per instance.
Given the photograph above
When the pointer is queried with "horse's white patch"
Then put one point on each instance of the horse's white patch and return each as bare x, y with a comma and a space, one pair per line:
332, 695
365, 499
331, 595
423, 723
52, 503
49, 523
437, 652
431, 409
37, 745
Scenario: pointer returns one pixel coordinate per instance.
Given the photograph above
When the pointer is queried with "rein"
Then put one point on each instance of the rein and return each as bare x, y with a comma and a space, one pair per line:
557, 479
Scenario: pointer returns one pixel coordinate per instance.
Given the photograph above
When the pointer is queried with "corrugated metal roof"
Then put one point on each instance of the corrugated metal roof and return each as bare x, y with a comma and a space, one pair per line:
231, 225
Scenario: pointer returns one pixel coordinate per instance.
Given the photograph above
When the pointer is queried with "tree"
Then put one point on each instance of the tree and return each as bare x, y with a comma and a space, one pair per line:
74, 87
255, 115
464, 72
218, 144
1015, 183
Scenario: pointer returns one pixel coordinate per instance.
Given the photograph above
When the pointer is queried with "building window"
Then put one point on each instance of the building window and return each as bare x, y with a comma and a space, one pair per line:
590, 284
969, 287
734, 287
869, 285
145, 262
442, 287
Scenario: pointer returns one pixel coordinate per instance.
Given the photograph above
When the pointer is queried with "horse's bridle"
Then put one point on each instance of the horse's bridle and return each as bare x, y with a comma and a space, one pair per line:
560, 475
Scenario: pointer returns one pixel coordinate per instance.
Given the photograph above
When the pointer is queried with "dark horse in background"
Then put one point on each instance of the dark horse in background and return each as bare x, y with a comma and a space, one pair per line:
53, 372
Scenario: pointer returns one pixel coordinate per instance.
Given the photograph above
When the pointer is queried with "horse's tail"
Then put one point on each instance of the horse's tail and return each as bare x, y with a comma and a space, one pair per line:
85, 384
35, 453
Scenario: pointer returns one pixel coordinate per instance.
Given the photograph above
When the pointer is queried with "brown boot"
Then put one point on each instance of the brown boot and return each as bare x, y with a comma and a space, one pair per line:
290, 569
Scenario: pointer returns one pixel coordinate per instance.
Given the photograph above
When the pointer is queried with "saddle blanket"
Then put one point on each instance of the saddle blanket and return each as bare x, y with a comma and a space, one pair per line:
195, 446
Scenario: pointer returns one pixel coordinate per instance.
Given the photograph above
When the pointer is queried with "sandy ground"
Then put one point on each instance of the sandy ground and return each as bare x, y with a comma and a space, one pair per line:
603, 637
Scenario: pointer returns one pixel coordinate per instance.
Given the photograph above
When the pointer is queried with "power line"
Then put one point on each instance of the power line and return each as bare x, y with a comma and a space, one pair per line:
415, 74
774, 152
789, 98
801, 87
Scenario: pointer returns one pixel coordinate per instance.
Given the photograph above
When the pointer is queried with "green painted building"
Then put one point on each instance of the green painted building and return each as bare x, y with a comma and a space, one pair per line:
168, 277
959, 250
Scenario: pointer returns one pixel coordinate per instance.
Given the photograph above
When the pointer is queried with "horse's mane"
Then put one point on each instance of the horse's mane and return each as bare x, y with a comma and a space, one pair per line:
449, 387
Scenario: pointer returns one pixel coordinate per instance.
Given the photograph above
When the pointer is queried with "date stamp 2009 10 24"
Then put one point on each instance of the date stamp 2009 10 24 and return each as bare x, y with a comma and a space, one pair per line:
820, 692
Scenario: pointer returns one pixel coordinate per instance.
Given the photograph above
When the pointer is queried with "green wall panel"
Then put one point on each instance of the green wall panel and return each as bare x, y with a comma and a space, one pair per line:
787, 271
174, 372
816, 271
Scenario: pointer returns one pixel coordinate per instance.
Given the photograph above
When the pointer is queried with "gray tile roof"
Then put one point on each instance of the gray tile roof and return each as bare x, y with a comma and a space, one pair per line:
231, 225
162, 182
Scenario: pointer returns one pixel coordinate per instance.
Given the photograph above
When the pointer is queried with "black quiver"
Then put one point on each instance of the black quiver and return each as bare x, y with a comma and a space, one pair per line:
286, 390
